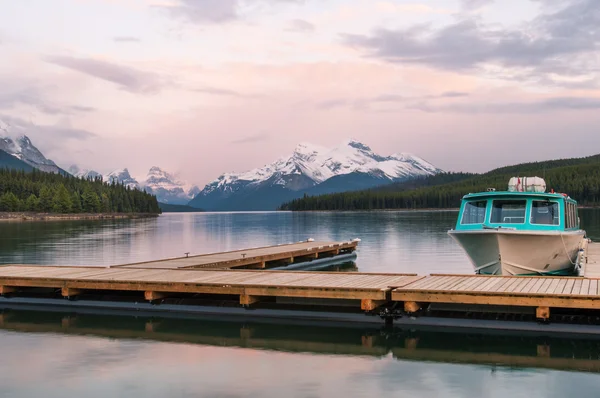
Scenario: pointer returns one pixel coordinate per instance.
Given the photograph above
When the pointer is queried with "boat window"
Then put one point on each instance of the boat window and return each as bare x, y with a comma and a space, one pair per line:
544, 213
572, 221
474, 212
508, 211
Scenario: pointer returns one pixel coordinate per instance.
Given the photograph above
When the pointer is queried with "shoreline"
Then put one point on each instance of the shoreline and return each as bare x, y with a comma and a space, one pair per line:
33, 216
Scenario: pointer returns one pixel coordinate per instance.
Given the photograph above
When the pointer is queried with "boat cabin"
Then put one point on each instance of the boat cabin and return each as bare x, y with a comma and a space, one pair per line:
518, 210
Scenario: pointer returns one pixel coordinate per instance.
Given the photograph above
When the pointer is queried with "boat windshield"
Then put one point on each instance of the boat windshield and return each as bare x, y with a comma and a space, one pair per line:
508, 211
474, 212
544, 213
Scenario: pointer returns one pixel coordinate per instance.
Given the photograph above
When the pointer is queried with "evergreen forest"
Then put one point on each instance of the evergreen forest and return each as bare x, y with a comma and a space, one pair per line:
37, 191
579, 178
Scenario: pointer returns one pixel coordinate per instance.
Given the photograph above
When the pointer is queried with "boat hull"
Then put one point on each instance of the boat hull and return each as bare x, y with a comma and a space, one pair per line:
502, 252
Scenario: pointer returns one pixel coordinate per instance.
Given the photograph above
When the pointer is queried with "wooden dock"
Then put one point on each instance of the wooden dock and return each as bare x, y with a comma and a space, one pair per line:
259, 257
250, 286
389, 295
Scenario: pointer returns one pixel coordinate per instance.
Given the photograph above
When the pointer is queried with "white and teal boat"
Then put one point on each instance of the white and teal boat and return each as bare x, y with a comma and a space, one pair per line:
522, 231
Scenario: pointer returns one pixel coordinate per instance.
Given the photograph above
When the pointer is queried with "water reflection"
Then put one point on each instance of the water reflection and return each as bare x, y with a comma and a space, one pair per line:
107, 354
394, 241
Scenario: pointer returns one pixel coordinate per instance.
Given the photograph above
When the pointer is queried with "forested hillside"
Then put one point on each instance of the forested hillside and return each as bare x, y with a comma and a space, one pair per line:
580, 178
46, 192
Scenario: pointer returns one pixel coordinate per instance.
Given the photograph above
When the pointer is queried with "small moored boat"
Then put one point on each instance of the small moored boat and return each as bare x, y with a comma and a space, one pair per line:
522, 231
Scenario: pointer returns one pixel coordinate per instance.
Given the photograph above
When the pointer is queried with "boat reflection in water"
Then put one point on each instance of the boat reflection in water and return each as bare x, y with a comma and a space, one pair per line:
496, 350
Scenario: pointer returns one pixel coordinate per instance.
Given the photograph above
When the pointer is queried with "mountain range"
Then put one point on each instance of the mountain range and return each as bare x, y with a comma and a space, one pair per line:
309, 170
20, 153
165, 186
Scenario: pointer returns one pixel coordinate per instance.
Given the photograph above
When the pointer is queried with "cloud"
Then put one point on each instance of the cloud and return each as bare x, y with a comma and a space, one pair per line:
300, 25
224, 92
365, 103
127, 78
126, 39
251, 139
541, 106
204, 11
563, 42
402, 98
472, 5
50, 135
17, 92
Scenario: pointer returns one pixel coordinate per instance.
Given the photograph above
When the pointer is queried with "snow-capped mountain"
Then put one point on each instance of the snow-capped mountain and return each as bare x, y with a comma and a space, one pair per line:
168, 188
122, 176
83, 173
310, 169
23, 149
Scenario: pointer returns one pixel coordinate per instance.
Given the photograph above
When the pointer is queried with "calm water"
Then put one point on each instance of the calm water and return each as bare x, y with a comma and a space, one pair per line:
64, 354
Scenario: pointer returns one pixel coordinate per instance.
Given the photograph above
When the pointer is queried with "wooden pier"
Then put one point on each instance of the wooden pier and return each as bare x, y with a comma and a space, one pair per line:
259, 257
388, 295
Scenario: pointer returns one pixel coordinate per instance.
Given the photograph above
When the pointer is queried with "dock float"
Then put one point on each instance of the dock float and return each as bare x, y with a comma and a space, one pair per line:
260, 257
395, 298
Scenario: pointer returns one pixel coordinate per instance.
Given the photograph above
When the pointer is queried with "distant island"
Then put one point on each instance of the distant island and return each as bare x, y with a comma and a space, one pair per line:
39, 195
577, 177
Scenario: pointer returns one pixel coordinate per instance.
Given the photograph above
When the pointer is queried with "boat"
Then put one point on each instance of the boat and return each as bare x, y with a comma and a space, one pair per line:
522, 231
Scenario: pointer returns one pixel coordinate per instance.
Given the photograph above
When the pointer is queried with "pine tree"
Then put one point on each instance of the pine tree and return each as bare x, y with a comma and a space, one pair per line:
46, 197
105, 203
91, 202
76, 203
61, 202
9, 202
32, 203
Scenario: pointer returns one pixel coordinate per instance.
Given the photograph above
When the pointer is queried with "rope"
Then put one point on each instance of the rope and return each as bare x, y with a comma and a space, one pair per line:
567, 251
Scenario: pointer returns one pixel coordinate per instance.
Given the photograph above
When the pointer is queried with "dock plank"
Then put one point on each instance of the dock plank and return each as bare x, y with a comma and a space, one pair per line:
592, 266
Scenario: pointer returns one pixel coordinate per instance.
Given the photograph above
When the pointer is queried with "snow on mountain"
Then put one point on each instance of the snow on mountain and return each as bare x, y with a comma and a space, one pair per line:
122, 176
168, 188
83, 173
319, 164
311, 166
23, 149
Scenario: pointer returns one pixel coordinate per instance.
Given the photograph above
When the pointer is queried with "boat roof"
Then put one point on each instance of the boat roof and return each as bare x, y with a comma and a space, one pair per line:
545, 195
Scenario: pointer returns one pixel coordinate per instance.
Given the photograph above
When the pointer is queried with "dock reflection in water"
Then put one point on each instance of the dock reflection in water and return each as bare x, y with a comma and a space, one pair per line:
94, 354
510, 350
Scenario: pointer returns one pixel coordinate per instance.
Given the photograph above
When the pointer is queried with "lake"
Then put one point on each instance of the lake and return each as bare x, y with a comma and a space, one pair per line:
55, 354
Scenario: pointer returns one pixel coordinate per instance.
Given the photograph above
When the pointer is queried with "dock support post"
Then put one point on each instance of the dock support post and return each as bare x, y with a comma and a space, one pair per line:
70, 292
151, 295
367, 341
410, 343
543, 350
150, 326
246, 299
411, 307
66, 322
7, 289
542, 313
259, 265
370, 305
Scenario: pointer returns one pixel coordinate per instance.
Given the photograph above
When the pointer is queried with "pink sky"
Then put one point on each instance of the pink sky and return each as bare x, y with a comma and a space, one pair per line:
202, 87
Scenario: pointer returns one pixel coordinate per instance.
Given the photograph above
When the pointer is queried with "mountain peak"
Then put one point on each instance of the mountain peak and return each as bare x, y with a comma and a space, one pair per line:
357, 145
168, 188
23, 149
308, 167
77, 171
122, 176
